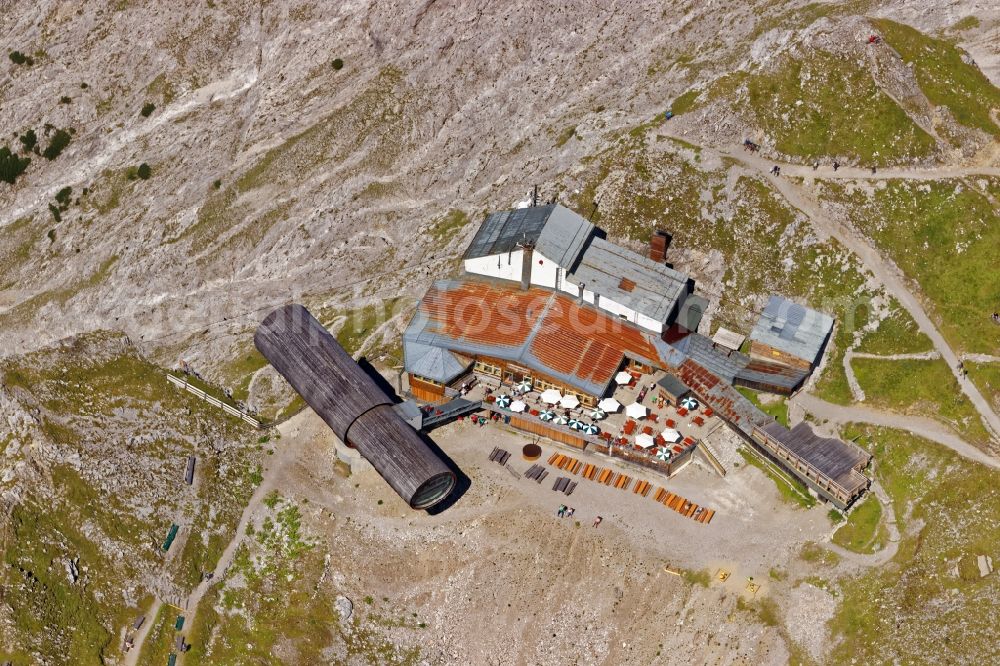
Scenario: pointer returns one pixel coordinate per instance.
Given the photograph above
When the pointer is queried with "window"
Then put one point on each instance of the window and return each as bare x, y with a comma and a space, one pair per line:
487, 368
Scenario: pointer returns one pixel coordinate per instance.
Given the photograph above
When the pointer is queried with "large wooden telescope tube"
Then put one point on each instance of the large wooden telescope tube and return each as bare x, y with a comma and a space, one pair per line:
358, 411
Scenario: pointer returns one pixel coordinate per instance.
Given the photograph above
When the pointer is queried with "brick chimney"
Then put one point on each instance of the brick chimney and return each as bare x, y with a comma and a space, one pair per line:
658, 244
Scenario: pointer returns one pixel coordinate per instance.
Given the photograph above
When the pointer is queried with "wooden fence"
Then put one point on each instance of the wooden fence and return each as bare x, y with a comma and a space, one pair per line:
229, 409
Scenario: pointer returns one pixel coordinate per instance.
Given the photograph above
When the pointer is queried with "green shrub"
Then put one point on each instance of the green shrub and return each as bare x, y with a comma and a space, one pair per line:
11, 165
83, 85
57, 144
217, 184
142, 171
19, 58
63, 196
147, 109
29, 140
56, 215
65, 100
338, 64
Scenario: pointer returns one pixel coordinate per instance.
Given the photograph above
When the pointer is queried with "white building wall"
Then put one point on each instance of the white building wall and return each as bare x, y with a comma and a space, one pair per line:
543, 271
649, 324
507, 266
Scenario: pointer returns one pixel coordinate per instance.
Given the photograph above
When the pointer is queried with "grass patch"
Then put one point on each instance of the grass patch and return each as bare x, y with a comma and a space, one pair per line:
986, 376
944, 77
159, 641
688, 101
564, 136
89, 393
778, 408
825, 106
864, 531
701, 577
791, 489
447, 227
896, 334
813, 553
943, 235
354, 326
915, 610
920, 387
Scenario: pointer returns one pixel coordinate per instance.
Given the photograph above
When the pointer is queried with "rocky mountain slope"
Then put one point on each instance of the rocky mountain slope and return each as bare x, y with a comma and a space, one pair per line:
175, 170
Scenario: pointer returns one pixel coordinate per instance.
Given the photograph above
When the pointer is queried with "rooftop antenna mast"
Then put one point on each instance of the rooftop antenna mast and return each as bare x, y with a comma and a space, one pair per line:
534, 196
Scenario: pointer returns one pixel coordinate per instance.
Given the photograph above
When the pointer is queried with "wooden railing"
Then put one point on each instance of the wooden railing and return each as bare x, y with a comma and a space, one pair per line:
229, 409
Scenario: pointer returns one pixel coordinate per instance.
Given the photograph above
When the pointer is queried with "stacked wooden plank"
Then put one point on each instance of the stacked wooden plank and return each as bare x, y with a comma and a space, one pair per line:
499, 456
605, 477
684, 506
564, 485
590, 471
536, 473
642, 488
564, 462
622, 481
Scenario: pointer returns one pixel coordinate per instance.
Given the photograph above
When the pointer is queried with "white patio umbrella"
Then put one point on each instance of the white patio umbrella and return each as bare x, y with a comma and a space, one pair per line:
636, 410
644, 440
689, 403
591, 429
518, 406
610, 405
597, 414
551, 396
503, 401
663, 454
570, 401
576, 424
623, 378
524, 385
561, 419
671, 435
547, 415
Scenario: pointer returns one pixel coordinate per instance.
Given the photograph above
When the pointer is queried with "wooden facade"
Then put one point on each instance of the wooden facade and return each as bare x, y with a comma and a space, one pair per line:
763, 352
513, 373
357, 410
841, 491
536, 426
425, 389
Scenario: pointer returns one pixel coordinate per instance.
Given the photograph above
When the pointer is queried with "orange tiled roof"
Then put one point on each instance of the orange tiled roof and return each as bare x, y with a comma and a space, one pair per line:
544, 330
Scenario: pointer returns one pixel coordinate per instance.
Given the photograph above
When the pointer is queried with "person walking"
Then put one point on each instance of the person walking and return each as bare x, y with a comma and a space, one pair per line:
569, 514
836, 165
562, 510
597, 521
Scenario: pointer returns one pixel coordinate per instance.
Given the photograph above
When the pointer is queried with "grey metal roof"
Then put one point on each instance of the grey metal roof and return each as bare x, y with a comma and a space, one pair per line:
792, 328
564, 236
672, 385
833, 457
558, 233
653, 288
431, 362
735, 365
